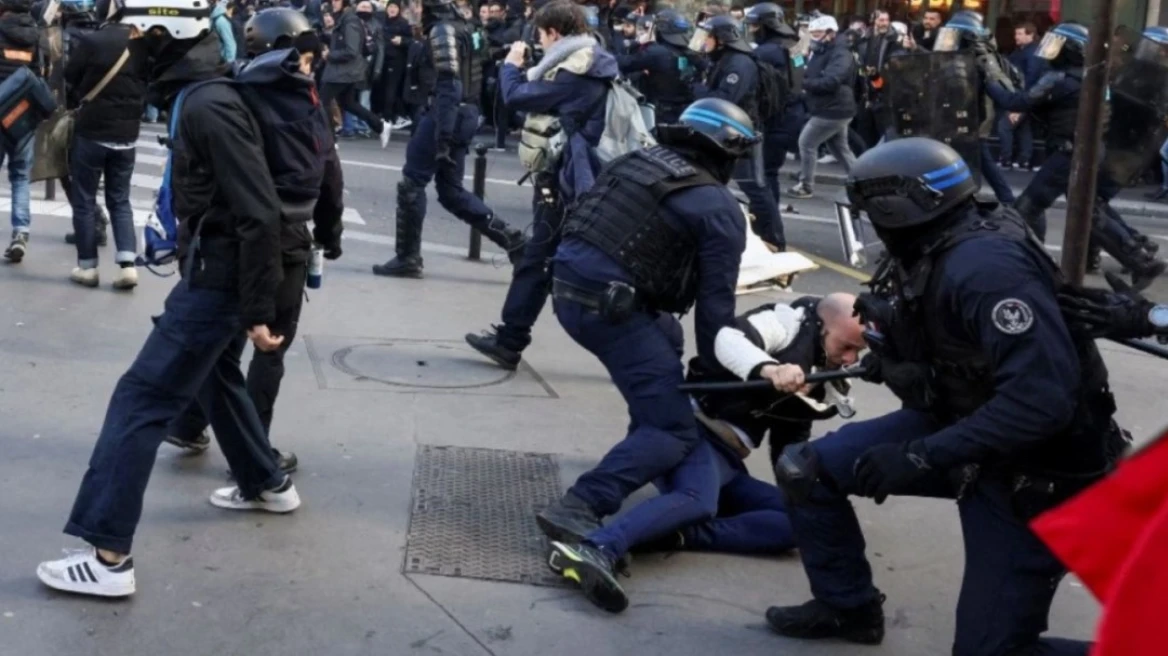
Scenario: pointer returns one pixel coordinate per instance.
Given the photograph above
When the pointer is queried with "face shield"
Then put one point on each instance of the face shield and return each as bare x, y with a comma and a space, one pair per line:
1148, 50
948, 40
697, 42
1051, 46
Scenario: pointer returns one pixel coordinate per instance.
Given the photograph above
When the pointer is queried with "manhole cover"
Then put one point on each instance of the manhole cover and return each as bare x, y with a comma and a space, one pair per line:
419, 364
473, 514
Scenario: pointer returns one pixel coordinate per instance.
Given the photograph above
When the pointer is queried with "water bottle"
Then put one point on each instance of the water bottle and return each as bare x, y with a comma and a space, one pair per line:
316, 268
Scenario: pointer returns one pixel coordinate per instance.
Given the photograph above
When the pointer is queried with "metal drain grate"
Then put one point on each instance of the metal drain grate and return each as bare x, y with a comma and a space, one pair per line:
473, 514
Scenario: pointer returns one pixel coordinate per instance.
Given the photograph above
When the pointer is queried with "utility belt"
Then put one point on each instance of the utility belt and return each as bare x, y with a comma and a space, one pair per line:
616, 303
212, 263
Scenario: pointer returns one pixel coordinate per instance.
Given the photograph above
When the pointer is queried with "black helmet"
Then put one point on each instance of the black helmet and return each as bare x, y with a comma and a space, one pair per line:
716, 126
909, 182
770, 16
725, 31
672, 27
964, 29
1064, 45
279, 27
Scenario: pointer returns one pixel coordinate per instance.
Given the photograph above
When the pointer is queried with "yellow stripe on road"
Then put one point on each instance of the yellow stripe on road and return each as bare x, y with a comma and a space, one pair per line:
838, 267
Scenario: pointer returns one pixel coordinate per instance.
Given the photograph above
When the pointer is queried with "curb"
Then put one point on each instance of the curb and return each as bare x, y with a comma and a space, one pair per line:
1123, 205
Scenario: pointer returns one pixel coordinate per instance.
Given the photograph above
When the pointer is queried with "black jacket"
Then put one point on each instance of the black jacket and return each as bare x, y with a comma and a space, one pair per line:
346, 61
19, 44
873, 49
116, 113
829, 80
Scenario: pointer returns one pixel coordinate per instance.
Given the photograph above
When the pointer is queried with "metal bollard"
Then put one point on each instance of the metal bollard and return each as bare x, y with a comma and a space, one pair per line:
475, 250
51, 189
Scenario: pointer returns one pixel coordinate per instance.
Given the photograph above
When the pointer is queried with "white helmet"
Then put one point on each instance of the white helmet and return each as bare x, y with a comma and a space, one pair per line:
182, 19
823, 23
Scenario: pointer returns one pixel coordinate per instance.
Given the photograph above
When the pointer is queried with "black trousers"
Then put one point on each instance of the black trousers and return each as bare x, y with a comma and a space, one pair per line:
346, 96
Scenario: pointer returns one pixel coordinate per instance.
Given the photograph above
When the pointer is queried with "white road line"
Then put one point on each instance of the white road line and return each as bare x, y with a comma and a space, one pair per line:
142, 210
444, 249
146, 181
352, 216
154, 160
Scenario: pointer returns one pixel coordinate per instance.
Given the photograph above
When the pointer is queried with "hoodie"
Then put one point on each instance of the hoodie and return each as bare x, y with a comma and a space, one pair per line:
18, 44
222, 25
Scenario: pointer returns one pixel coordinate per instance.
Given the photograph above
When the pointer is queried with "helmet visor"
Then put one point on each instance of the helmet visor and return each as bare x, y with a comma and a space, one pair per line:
948, 40
1051, 46
697, 42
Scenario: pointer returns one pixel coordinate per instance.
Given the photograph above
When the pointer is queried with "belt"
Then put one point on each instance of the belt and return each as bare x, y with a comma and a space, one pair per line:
569, 292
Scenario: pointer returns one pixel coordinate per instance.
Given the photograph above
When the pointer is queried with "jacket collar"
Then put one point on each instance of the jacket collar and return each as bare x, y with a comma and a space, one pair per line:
560, 50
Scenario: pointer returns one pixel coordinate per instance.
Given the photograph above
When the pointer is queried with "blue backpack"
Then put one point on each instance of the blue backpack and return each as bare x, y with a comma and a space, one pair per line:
295, 134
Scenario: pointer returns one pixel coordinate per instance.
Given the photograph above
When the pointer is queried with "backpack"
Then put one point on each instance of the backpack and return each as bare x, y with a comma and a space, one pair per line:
294, 132
773, 89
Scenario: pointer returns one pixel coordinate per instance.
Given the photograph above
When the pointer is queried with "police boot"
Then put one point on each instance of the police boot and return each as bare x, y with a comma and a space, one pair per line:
1143, 266
1034, 216
488, 344
568, 520
593, 569
1094, 258
504, 236
815, 620
408, 263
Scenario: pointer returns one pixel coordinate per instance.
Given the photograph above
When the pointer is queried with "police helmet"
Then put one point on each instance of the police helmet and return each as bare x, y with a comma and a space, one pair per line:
766, 14
181, 19
1064, 44
963, 29
77, 7
725, 31
277, 28
672, 27
591, 17
909, 182
715, 126
1157, 33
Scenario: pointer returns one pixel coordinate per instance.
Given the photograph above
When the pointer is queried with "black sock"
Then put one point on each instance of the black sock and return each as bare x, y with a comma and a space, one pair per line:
126, 265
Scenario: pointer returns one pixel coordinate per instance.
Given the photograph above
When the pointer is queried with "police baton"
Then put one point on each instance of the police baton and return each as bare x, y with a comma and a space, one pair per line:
475, 250
758, 385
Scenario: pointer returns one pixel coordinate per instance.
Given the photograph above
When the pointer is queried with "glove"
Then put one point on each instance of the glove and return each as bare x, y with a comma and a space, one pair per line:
444, 152
333, 252
1098, 313
871, 309
889, 469
870, 365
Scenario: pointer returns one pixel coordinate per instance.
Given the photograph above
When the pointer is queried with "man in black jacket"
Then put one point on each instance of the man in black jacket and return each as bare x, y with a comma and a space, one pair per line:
346, 70
18, 48
873, 49
104, 137
229, 251
827, 89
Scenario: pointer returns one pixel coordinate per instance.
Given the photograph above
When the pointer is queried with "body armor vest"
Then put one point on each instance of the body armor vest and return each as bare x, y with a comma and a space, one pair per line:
962, 377
786, 416
473, 54
453, 49
621, 216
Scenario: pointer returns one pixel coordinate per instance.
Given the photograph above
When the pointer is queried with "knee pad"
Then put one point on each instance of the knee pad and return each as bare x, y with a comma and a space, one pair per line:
797, 471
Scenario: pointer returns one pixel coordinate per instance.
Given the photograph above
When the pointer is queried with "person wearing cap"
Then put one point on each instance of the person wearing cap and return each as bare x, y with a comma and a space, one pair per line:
827, 90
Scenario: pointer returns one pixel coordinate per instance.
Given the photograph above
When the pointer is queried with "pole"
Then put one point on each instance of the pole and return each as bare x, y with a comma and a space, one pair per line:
755, 385
475, 250
1088, 144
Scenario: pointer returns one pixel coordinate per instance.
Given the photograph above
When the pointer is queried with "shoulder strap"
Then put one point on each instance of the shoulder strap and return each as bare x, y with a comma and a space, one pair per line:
108, 77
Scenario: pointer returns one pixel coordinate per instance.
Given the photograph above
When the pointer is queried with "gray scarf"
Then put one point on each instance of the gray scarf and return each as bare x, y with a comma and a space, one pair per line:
560, 51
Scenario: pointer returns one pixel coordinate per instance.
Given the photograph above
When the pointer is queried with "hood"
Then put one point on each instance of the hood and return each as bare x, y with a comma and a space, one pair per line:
272, 67
580, 54
175, 68
19, 29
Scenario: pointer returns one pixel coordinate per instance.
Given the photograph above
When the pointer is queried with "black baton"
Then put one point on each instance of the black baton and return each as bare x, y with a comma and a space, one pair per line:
755, 385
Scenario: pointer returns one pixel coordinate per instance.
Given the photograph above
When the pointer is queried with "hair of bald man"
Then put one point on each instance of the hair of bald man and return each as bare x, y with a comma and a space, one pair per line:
836, 307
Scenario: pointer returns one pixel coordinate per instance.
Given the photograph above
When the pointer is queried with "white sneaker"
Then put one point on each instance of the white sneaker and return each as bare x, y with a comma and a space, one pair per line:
402, 123
283, 499
386, 133
827, 159
84, 277
127, 278
83, 573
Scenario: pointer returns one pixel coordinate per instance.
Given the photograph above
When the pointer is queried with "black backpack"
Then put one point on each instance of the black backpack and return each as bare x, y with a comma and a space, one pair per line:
773, 89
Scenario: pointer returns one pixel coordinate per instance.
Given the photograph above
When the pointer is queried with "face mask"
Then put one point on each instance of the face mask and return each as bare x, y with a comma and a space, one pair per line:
364, 15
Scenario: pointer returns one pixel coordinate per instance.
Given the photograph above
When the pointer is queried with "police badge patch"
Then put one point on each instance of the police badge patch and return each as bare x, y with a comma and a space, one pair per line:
732, 78
1013, 316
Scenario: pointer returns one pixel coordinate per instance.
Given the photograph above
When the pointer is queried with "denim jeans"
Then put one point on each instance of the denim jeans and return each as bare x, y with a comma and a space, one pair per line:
1006, 133
824, 131
87, 162
19, 166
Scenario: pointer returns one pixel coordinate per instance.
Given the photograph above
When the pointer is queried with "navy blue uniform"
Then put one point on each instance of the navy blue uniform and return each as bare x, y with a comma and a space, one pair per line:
734, 77
665, 71
643, 353
1009, 314
777, 140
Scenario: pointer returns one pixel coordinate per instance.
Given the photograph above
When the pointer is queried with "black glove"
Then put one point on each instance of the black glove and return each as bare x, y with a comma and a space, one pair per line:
911, 382
871, 309
333, 251
870, 365
1098, 313
890, 469
443, 154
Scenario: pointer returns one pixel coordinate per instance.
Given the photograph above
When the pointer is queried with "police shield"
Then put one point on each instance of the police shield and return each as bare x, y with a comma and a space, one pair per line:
935, 95
1139, 105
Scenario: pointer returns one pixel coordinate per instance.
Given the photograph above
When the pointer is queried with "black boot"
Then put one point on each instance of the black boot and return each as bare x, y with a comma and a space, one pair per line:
504, 236
815, 620
593, 570
487, 343
1143, 266
408, 263
1094, 259
568, 520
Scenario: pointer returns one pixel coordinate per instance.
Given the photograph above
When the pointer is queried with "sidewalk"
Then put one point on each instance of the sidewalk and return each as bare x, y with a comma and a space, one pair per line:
421, 466
1130, 201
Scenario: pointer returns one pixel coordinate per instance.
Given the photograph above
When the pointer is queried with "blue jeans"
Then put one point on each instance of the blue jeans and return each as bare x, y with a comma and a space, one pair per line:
643, 357
1010, 576
993, 175
1025, 134
87, 162
715, 504
193, 350
531, 281
19, 168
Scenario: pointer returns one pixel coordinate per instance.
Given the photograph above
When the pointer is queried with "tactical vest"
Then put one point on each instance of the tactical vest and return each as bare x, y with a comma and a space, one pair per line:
962, 377
1061, 115
756, 412
621, 216
471, 52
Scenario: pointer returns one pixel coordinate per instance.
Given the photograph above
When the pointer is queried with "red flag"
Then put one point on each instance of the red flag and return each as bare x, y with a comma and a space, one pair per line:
1113, 536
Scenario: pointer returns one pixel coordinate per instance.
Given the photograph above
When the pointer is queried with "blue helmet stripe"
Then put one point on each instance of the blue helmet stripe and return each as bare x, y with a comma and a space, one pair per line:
1070, 34
933, 176
715, 119
942, 185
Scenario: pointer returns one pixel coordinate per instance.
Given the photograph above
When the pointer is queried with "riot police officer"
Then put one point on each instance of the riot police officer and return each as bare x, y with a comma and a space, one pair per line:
439, 143
774, 38
1003, 408
657, 233
1121, 313
734, 75
1054, 100
665, 67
